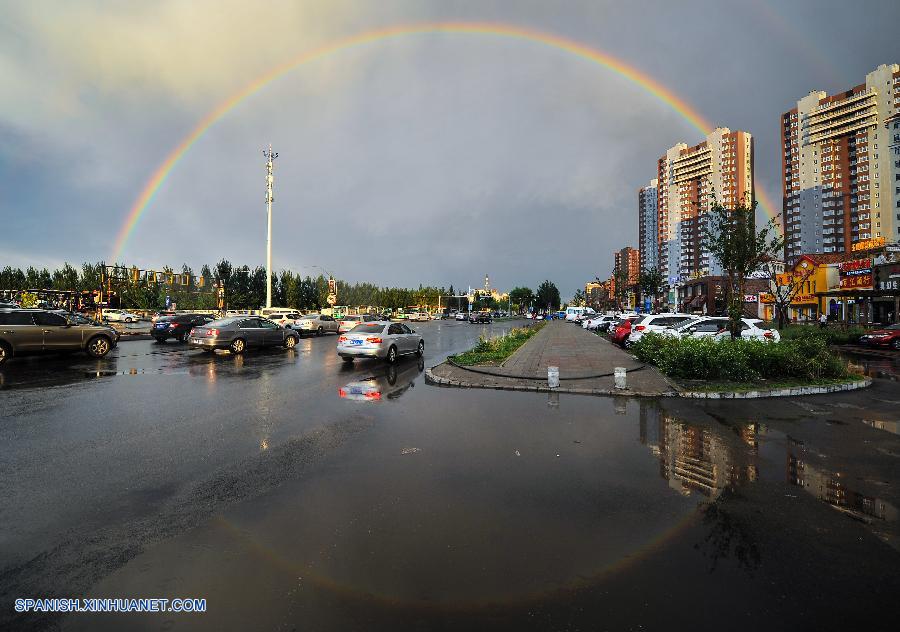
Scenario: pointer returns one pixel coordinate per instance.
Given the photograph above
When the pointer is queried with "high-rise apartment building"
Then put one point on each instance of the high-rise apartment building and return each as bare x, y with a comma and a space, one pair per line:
688, 178
648, 240
628, 259
836, 166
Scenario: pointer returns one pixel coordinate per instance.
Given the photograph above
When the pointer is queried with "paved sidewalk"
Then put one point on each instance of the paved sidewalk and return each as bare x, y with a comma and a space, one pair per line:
580, 356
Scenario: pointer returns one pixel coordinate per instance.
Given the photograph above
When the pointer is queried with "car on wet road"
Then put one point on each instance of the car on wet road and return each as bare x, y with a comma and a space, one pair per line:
120, 316
241, 333
316, 324
381, 339
178, 327
352, 320
887, 337
37, 331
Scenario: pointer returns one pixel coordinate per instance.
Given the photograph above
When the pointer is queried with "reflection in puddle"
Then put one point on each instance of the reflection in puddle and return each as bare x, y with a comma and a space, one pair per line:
696, 460
888, 426
832, 488
391, 384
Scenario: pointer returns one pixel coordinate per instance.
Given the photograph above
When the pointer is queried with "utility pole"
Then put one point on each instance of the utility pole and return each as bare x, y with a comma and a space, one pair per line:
270, 181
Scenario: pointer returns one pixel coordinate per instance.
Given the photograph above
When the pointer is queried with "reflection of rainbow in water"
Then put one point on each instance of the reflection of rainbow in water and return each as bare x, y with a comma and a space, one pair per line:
593, 55
322, 581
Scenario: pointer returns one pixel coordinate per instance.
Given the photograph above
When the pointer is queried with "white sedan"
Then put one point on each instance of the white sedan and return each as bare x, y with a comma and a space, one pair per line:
120, 316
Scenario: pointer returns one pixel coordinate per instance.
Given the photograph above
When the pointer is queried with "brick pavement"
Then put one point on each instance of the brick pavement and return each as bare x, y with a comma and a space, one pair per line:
578, 353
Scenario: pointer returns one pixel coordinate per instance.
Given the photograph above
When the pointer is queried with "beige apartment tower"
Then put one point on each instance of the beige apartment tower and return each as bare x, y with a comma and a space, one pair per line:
837, 164
688, 178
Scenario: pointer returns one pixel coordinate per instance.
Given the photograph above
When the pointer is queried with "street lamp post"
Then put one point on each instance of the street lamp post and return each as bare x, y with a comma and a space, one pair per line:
270, 181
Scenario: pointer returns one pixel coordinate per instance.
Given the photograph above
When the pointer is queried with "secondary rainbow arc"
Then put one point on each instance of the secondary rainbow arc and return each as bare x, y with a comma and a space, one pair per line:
594, 55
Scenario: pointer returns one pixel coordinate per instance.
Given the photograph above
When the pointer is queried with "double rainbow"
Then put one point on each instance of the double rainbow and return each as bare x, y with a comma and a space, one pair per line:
593, 55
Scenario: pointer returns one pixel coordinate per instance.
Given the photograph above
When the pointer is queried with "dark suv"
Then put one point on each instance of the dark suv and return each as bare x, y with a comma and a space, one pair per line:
178, 326
480, 317
33, 331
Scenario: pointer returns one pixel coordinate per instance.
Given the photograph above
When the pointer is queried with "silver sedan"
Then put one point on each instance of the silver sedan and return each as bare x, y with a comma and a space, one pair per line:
381, 339
317, 324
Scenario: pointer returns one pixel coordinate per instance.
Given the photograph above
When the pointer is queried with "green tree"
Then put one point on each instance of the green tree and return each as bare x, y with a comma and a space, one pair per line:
620, 280
547, 296
578, 298
521, 297
651, 283
740, 249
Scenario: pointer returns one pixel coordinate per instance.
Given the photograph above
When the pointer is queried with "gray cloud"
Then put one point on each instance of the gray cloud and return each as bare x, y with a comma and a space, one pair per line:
428, 158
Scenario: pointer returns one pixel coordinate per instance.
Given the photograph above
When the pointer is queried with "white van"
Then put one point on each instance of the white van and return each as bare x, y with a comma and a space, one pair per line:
574, 314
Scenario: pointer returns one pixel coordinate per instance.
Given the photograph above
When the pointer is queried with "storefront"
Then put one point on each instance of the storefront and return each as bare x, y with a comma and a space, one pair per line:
886, 293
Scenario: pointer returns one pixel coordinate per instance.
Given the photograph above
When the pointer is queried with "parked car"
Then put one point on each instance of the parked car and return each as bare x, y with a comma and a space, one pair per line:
654, 323
461, 316
282, 318
240, 333
8, 306
622, 330
480, 317
120, 316
178, 326
380, 339
318, 324
887, 337
600, 323
34, 331
350, 321
418, 316
716, 327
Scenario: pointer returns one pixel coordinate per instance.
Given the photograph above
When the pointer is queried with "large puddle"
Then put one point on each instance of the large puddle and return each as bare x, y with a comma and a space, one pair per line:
480, 503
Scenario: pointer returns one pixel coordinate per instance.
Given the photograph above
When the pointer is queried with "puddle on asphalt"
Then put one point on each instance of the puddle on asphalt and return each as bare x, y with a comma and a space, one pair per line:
464, 500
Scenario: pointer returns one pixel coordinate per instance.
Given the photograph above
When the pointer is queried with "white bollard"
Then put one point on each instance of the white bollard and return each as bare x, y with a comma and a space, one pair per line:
553, 376
619, 373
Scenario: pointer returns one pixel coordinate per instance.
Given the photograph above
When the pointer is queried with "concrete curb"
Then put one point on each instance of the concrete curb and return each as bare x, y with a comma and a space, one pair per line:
436, 380
778, 392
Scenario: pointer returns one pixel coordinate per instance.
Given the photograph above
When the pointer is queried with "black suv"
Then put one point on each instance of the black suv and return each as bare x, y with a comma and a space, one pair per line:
178, 326
480, 317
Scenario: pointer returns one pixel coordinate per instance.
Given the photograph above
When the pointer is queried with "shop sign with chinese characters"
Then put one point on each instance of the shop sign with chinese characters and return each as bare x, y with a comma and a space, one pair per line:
856, 274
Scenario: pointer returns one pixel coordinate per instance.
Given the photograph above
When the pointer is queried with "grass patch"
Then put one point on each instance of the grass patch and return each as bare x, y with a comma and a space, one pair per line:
493, 351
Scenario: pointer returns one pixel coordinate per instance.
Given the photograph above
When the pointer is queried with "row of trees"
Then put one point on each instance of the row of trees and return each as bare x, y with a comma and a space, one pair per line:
245, 288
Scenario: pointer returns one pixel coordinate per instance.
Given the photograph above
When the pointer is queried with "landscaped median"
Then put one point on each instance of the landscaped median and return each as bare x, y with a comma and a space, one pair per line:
704, 367
493, 351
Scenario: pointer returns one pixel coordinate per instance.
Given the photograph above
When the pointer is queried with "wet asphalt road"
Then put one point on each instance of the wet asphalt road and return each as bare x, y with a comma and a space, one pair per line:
272, 486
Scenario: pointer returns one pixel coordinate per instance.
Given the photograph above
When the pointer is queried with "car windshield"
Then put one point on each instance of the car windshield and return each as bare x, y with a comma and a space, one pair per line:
352, 318
686, 324
893, 327
309, 317
164, 319
368, 328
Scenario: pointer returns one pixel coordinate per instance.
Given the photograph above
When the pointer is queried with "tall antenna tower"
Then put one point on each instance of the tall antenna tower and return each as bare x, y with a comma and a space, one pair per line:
270, 181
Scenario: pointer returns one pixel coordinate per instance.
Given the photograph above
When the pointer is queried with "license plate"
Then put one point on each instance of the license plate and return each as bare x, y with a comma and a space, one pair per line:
197, 340
356, 341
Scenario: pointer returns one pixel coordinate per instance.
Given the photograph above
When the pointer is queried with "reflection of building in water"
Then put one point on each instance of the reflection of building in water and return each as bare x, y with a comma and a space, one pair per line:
693, 458
887, 426
830, 487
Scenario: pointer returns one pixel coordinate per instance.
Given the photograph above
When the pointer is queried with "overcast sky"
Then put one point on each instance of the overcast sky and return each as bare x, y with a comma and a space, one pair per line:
429, 158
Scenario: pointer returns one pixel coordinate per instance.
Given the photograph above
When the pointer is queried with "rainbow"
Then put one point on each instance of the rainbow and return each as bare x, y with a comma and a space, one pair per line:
593, 55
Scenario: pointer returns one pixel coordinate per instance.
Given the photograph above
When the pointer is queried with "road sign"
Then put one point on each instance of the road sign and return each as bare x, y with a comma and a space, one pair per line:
332, 299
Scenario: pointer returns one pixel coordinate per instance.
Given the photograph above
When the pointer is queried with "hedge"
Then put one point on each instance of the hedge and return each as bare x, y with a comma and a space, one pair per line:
805, 358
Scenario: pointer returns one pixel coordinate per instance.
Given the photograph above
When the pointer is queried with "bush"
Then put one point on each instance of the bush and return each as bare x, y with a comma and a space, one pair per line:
833, 334
805, 357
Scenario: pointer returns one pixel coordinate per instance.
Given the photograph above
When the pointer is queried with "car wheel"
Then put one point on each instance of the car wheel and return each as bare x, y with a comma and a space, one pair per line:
392, 355
421, 350
98, 346
319, 331
160, 340
347, 360
237, 345
184, 337
127, 319
5, 353
290, 342
895, 344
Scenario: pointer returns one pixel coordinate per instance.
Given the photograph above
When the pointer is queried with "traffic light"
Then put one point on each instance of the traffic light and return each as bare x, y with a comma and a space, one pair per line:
332, 286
